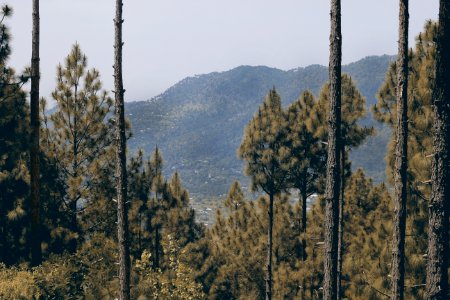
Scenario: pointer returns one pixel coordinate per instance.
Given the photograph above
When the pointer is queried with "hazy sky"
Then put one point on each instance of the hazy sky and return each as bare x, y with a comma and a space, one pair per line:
167, 40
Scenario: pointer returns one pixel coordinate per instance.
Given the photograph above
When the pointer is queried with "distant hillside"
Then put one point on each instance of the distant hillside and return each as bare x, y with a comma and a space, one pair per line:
198, 123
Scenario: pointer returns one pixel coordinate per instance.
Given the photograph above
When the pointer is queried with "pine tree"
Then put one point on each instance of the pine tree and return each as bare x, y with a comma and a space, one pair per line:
308, 156
353, 109
235, 198
36, 252
138, 191
79, 137
156, 202
401, 156
14, 148
121, 160
438, 248
420, 148
267, 161
333, 161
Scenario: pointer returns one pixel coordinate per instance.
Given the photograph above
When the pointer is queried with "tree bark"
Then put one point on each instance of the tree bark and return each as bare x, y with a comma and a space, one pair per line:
341, 223
157, 247
333, 162
36, 252
121, 171
437, 274
269, 250
401, 159
304, 197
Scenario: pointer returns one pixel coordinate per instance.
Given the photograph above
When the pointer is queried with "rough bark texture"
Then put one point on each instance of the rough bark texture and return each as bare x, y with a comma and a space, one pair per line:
36, 253
341, 224
269, 250
437, 275
401, 159
121, 172
333, 162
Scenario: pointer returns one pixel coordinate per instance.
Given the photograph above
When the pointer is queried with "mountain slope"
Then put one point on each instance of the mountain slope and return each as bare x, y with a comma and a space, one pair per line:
198, 123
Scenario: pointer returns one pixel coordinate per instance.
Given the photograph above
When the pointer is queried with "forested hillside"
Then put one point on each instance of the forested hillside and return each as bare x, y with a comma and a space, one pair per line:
198, 123
329, 184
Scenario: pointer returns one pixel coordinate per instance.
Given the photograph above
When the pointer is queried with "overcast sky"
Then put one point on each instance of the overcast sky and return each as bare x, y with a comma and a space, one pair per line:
167, 40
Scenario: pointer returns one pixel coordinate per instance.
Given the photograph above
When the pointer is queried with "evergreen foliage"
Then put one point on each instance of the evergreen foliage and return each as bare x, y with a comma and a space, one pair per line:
420, 124
268, 247
78, 136
14, 145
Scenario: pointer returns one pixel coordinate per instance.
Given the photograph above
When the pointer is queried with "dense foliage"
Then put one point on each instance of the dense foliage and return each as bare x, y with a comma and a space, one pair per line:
174, 257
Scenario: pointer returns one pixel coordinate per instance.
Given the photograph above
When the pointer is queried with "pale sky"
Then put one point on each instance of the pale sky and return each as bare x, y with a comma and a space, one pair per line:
168, 40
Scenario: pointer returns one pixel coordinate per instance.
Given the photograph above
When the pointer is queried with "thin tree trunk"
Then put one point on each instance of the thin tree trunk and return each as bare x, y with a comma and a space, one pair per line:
341, 224
303, 197
333, 162
121, 171
438, 239
401, 159
156, 247
36, 253
269, 250
73, 201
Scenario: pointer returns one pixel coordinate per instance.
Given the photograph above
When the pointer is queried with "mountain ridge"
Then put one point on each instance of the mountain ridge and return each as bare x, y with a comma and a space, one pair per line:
199, 121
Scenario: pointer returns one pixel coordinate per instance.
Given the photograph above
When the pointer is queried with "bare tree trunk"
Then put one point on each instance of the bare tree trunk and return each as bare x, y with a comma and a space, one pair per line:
36, 252
303, 196
269, 250
333, 162
341, 224
401, 159
438, 249
157, 247
121, 169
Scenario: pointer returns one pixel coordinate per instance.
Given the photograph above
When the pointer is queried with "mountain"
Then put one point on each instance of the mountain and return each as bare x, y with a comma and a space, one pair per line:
198, 123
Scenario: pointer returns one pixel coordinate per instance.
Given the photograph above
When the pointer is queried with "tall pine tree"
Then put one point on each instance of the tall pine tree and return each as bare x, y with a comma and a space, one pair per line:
438, 248
267, 161
121, 161
401, 159
79, 135
14, 148
36, 252
333, 161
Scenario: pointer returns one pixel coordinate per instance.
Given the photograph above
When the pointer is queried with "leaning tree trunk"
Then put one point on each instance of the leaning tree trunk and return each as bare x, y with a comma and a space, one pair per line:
36, 253
121, 171
438, 250
333, 164
401, 159
269, 250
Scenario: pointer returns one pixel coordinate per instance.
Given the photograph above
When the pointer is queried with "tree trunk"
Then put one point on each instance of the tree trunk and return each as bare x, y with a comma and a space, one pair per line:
269, 250
401, 159
341, 223
121, 171
303, 197
438, 250
36, 253
73, 201
157, 247
333, 162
